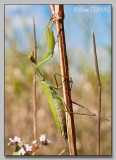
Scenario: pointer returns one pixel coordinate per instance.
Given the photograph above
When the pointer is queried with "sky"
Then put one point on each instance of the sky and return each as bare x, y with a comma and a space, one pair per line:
79, 22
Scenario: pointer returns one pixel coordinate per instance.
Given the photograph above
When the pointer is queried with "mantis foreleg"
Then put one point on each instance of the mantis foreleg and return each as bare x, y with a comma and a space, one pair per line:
51, 45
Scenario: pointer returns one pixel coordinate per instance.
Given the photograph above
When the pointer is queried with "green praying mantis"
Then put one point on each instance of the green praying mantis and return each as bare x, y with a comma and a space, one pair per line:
55, 101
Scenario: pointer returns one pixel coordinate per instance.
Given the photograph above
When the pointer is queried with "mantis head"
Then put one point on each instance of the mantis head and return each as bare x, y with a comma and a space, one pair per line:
31, 57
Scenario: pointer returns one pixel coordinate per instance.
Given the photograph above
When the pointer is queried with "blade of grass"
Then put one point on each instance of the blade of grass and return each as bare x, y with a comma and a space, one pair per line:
99, 94
34, 89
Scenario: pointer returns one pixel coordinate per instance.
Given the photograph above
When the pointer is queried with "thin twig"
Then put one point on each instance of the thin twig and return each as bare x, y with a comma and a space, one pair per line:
59, 13
34, 88
99, 92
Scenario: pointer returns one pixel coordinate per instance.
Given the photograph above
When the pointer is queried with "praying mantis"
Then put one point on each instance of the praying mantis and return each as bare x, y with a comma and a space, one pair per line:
55, 101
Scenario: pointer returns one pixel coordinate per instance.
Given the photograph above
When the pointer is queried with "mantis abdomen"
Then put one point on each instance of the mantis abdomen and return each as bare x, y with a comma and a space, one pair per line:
57, 109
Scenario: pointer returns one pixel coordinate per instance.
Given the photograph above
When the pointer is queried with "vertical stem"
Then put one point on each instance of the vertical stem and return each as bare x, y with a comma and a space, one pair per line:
52, 8
99, 92
66, 86
34, 88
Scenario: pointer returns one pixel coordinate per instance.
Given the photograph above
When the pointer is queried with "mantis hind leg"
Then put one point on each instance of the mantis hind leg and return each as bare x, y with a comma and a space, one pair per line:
84, 114
71, 82
83, 107
92, 114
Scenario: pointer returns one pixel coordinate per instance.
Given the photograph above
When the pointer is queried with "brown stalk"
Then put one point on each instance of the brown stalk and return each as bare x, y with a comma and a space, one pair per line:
34, 89
99, 92
59, 15
52, 8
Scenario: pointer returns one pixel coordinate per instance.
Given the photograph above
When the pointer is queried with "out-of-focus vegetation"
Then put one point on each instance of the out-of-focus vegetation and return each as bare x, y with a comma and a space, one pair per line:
18, 98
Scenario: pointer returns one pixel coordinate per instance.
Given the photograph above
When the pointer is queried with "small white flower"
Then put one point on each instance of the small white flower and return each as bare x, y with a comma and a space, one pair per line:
11, 140
26, 145
44, 141
17, 139
22, 151
34, 142
28, 148
42, 138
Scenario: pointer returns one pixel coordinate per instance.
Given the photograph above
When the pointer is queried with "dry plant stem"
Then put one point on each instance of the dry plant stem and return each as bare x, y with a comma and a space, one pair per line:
34, 89
52, 8
66, 86
99, 99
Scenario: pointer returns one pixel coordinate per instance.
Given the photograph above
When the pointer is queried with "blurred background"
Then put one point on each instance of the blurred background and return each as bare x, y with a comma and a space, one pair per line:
79, 22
